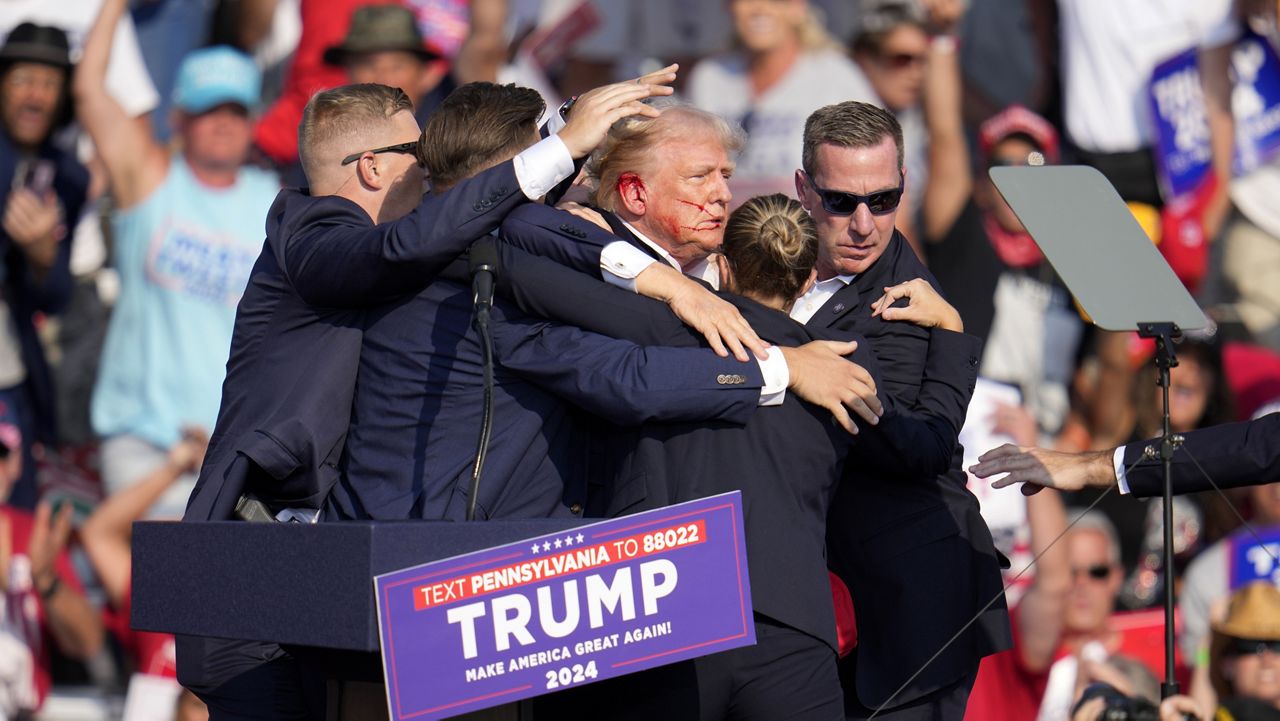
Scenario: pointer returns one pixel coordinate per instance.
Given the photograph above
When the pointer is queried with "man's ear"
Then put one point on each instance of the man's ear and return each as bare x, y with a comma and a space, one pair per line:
368, 172
633, 193
801, 188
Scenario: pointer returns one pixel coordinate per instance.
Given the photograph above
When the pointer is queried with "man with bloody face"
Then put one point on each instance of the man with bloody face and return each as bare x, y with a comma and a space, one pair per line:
664, 183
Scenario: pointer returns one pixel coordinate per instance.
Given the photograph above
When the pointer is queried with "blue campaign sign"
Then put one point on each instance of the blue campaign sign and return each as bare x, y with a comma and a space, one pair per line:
1255, 102
565, 609
1182, 150
1253, 558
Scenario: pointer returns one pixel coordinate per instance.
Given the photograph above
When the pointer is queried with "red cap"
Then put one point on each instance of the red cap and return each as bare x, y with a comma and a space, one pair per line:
1017, 120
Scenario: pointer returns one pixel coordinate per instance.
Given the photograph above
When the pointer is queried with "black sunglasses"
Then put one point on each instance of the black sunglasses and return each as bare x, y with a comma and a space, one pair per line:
1250, 646
837, 202
1097, 573
410, 147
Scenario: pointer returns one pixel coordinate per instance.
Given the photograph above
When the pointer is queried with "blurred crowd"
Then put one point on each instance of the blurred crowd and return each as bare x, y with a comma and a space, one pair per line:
142, 142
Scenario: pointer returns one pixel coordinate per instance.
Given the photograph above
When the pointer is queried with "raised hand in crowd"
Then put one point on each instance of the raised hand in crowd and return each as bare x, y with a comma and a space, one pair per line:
596, 111
822, 375
136, 164
924, 306
34, 222
716, 319
1015, 422
106, 534
72, 622
943, 16
1177, 708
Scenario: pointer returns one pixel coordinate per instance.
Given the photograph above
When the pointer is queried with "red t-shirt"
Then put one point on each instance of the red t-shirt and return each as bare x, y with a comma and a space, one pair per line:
24, 613
1005, 689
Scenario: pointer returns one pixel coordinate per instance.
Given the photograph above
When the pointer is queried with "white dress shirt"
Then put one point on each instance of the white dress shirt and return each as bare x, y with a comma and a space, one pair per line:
621, 262
809, 303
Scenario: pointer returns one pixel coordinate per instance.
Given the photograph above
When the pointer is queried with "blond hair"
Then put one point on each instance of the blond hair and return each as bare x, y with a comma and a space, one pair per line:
771, 246
811, 31
628, 148
343, 113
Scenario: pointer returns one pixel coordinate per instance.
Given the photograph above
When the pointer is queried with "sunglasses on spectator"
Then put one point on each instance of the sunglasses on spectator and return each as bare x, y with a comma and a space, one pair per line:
408, 148
838, 202
1251, 646
898, 61
1098, 572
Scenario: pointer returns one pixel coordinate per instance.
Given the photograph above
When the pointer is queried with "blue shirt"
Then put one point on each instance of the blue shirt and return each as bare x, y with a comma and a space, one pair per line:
184, 256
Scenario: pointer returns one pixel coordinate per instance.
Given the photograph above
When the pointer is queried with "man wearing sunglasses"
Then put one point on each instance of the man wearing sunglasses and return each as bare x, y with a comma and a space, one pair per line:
900, 544
360, 235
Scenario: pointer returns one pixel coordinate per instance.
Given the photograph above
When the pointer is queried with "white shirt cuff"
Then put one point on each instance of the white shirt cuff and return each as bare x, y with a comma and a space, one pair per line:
542, 166
777, 376
621, 262
1117, 461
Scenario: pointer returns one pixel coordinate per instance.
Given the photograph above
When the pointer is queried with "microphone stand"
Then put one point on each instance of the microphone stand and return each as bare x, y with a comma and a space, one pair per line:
484, 264
1166, 358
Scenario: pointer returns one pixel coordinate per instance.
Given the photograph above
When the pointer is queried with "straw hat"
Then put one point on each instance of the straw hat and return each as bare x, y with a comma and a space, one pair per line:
1253, 613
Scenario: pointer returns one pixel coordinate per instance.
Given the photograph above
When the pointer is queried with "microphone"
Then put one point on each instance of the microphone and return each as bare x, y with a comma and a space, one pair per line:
483, 264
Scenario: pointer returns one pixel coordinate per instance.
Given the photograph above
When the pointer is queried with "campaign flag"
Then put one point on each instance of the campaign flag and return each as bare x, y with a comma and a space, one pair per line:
1253, 556
1183, 154
1255, 102
565, 609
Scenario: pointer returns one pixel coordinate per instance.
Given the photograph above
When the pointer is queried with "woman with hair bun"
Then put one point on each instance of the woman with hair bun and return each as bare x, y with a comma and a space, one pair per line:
786, 461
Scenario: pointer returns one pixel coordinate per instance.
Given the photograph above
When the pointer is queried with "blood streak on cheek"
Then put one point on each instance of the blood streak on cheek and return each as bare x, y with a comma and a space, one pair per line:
701, 208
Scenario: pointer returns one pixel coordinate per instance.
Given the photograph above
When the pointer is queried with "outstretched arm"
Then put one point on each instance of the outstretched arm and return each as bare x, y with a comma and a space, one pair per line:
136, 164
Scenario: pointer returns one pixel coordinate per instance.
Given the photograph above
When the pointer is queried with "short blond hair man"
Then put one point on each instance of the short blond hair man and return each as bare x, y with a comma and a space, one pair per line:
362, 234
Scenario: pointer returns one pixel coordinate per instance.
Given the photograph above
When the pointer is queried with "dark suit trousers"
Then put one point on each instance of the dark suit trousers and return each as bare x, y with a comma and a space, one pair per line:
945, 704
785, 675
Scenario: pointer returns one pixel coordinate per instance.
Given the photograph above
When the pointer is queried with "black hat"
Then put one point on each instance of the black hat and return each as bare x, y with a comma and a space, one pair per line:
37, 43
379, 28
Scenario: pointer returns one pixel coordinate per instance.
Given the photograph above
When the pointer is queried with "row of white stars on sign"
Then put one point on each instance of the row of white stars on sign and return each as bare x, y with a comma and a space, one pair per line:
558, 543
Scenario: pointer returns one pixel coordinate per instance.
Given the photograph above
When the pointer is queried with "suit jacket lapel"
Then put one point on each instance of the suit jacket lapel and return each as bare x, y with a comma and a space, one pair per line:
623, 232
840, 304
872, 281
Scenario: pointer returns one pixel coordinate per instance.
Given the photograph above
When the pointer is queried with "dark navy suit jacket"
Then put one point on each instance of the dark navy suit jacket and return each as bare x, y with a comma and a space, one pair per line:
1234, 454
418, 406
25, 292
667, 464
286, 400
917, 556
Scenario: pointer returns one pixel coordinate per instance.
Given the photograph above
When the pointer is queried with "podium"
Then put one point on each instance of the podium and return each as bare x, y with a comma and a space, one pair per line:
307, 587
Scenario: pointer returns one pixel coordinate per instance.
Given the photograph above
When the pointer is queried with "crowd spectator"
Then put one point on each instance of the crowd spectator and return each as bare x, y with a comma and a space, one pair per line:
187, 227
1065, 636
127, 79
1251, 237
892, 49
1208, 578
384, 46
42, 191
1004, 288
42, 603
167, 30
783, 67
187, 230
1109, 53
106, 537
1244, 660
